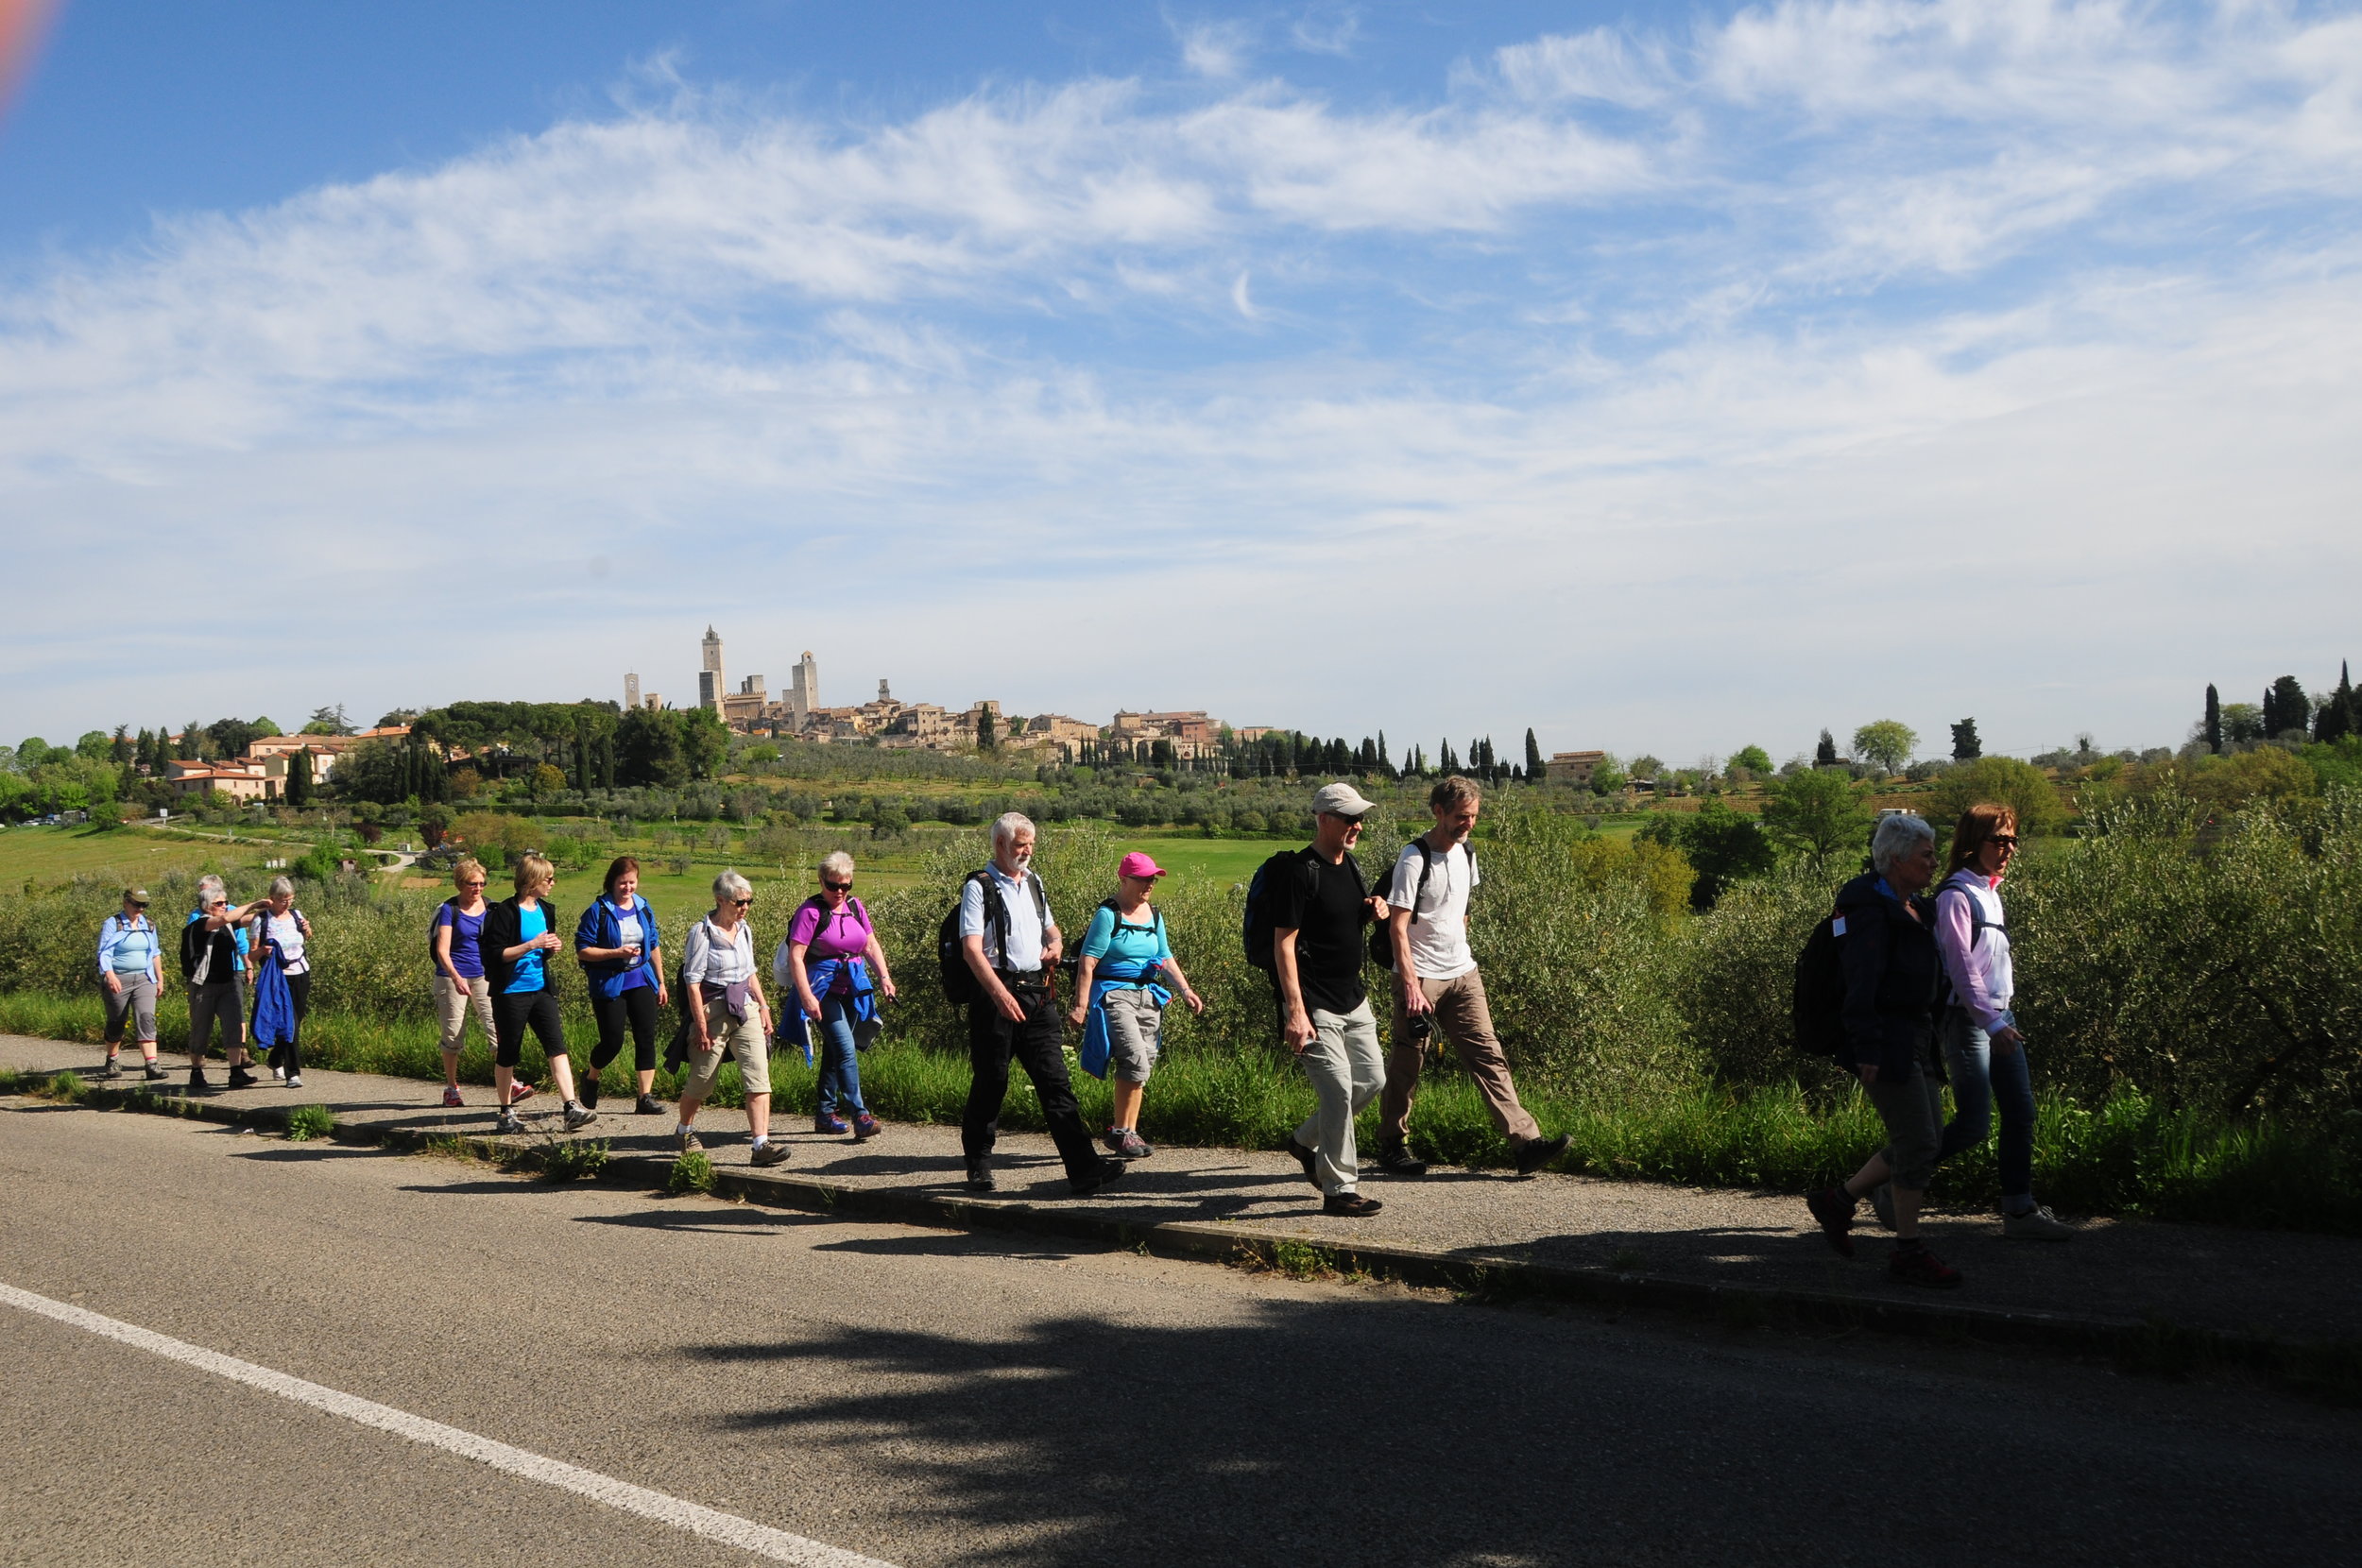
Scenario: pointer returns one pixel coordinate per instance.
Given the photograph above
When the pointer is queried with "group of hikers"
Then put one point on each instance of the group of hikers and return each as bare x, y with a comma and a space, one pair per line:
1921, 990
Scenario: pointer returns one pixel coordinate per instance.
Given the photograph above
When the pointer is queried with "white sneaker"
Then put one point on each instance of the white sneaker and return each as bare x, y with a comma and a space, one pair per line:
280, 1073
2036, 1225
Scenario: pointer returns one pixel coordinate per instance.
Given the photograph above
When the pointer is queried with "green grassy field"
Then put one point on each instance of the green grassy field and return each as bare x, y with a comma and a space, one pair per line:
41, 855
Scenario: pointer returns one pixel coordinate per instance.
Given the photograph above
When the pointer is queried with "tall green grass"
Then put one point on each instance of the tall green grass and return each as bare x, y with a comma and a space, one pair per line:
2194, 1000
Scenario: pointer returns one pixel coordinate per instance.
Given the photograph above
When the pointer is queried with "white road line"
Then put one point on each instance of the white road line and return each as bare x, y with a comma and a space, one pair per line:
744, 1534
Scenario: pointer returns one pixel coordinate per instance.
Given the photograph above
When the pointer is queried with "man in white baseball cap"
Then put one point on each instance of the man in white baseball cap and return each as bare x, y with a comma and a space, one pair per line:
1317, 960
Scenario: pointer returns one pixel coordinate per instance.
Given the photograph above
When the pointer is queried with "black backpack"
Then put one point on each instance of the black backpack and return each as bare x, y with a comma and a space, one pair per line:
1817, 1007
1382, 932
1257, 931
959, 980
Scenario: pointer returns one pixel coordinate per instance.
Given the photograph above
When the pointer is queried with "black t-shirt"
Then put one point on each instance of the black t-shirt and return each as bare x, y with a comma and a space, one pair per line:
1326, 915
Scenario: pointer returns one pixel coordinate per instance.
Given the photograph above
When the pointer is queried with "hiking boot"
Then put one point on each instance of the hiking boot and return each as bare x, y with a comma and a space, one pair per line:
506, 1122
199, 1084
154, 1074
1304, 1157
112, 1070
240, 1079
588, 1086
1352, 1205
770, 1154
1124, 1144
2036, 1225
830, 1123
1833, 1210
452, 1100
648, 1105
1882, 1203
1396, 1159
689, 1143
1107, 1175
979, 1176
1918, 1266
1535, 1154
578, 1116
866, 1127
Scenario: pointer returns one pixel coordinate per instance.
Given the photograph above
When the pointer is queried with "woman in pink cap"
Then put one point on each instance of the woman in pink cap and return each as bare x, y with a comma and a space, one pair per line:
1121, 996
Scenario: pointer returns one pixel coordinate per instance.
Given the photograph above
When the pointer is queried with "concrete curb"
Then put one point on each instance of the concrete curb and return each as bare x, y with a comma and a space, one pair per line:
1494, 1276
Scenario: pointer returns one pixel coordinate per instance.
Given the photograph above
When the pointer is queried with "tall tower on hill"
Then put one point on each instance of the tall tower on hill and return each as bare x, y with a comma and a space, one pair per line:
631, 692
711, 683
803, 687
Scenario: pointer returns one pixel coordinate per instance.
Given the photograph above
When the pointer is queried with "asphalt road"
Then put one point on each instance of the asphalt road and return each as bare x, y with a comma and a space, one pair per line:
923, 1397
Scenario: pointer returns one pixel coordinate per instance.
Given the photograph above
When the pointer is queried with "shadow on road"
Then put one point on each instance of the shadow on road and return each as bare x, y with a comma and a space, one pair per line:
1337, 1430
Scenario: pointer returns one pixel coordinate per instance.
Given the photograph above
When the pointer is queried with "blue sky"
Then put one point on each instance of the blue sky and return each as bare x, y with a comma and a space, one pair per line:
1664, 380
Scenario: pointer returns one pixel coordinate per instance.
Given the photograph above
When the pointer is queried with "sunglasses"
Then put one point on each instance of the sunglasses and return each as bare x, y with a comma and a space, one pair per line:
136, 903
479, 882
837, 887
2007, 841
741, 903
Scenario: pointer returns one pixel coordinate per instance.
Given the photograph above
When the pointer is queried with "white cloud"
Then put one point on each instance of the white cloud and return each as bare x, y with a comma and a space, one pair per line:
1215, 49
1326, 30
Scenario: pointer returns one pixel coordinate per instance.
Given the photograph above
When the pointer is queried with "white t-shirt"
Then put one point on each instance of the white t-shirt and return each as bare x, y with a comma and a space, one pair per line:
1439, 918
290, 939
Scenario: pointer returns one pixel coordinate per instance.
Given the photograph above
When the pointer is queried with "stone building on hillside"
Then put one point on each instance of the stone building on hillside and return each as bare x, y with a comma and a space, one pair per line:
1572, 766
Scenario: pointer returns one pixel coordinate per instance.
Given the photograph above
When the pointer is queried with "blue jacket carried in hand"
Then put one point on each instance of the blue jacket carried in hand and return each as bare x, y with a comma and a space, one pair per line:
274, 1004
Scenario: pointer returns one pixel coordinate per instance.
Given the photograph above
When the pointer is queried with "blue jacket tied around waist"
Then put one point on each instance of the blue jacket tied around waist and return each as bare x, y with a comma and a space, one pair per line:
1097, 1050
796, 1028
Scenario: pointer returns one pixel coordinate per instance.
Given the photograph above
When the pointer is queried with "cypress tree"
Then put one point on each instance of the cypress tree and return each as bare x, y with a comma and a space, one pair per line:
1824, 755
2336, 716
299, 780
2286, 707
2213, 720
1965, 746
1534, 758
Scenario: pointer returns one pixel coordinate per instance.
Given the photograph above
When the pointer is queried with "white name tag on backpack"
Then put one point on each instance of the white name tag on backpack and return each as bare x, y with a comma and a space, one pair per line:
1836, 927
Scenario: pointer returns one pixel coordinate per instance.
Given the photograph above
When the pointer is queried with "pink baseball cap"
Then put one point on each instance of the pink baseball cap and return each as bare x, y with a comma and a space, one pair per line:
1137, 864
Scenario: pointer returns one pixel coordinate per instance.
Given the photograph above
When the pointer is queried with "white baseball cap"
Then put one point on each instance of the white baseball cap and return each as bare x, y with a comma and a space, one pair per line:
1340, 800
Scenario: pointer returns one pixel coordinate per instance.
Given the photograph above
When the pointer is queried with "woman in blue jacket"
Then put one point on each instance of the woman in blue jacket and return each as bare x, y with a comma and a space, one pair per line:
616, 943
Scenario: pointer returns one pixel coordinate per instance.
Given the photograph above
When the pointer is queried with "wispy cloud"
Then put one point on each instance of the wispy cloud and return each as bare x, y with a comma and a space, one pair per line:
1691, 343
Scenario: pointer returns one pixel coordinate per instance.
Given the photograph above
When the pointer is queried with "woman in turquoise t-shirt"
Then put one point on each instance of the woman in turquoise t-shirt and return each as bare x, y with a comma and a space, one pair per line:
1121, 996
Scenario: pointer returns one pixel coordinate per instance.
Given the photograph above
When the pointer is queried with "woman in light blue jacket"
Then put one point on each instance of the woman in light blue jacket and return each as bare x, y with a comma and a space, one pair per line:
131, 976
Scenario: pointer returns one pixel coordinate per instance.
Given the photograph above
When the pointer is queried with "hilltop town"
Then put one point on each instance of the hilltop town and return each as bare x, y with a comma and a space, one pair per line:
892, 723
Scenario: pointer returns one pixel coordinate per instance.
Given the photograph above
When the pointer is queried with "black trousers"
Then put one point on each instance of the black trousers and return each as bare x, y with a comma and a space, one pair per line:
513, 1013
289, 1057
636, 1007
1038, 1044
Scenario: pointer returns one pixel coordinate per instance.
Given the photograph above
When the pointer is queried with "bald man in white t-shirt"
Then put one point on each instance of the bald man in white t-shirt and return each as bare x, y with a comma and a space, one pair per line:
1436, 979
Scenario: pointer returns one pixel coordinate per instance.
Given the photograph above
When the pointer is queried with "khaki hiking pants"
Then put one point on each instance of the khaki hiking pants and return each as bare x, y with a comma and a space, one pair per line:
1467, 1021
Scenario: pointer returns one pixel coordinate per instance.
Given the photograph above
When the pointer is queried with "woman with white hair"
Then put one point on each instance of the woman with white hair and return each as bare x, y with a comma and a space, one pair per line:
279, 923
1886, 929
828, 959
728, 1016
212, 948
